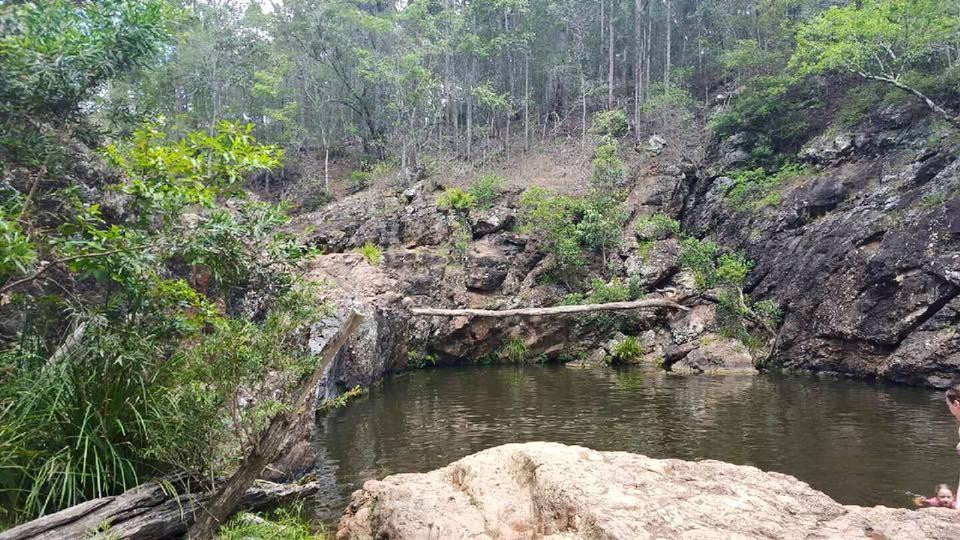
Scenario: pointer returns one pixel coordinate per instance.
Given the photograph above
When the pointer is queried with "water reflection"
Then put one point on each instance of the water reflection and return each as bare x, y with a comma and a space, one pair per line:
860, 443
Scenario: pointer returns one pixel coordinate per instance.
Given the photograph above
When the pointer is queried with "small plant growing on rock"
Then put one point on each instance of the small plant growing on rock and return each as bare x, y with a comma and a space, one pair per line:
755, 189
457, 200
515, 350
419, 360
657, 227
460, 237
486, 189
359, 180
372, 253
629, 350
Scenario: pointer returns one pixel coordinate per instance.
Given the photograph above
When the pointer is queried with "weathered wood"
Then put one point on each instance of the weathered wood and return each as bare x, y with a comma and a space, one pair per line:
145, 512
271, 440
555, 310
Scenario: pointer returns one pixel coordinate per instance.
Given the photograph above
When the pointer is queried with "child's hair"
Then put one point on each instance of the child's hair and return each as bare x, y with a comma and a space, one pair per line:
937, 489
953, 393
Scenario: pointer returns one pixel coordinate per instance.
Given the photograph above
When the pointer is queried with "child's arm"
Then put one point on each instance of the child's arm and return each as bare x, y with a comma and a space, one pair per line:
929, 501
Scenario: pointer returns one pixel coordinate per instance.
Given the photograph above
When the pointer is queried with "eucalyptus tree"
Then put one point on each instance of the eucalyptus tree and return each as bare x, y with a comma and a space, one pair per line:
890, 41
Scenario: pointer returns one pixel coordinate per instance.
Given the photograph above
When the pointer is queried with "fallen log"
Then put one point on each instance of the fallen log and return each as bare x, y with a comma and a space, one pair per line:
151, 511
272, 440
554, 310
146, 512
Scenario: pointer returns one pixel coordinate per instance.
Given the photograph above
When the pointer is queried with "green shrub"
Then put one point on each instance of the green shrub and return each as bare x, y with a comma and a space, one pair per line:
732, 269
674, 98
359, 180
602, 292
755, 189
372, 253
774, 110
657, 227
17, 253
419, 360
457, 200
486, 189
859, 101
611, 123
554, 218
569, 226
601, 224
710, 266
629, 350
608, 169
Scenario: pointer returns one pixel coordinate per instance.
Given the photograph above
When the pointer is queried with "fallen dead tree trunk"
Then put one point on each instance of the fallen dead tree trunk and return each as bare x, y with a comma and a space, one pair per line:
272, 440
555, 310
146, 512
151, 511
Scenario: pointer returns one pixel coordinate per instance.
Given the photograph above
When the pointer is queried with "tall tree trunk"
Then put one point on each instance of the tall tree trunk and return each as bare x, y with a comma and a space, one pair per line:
638, 66
666, 64
610, 58
583, 108
649, 53
526, 100
469, 126
326, 164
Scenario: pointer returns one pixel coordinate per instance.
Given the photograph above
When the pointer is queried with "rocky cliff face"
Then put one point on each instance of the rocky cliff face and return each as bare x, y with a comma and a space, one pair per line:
436, 259
549, 490
863, 253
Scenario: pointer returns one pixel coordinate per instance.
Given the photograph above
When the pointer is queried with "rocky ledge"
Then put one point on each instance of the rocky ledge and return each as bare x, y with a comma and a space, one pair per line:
550, 490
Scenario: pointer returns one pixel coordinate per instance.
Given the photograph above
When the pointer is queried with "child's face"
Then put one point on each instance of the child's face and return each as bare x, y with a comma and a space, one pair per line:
945, 496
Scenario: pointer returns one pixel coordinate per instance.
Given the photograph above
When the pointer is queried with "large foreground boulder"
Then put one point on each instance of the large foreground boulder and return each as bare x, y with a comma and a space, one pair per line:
550, 490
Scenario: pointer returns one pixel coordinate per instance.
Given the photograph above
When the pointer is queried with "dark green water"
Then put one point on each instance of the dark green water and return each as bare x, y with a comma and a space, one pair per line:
861, 443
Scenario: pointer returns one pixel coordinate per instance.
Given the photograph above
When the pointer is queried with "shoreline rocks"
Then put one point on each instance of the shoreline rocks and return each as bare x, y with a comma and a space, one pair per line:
550, 490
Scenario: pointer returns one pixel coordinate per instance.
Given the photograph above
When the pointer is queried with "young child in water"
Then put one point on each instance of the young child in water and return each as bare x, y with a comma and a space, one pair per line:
943, 498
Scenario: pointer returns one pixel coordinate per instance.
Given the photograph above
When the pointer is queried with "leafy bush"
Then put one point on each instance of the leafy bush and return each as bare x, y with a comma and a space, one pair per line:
774, 112
486, 189
710, 266
56, 55
755, 189
601, 224
608, 169
602, 292
457, 200
358, 181
611, 123
673, 98
17, 253
629, 350
372, 253
554, 217
657, 227
420, 360
569, 226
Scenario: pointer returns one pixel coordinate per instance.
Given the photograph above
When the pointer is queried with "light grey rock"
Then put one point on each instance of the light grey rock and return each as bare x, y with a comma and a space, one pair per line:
553, 491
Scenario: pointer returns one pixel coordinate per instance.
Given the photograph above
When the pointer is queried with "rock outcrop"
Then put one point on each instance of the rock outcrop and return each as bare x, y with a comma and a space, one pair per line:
549, 490
862, 252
